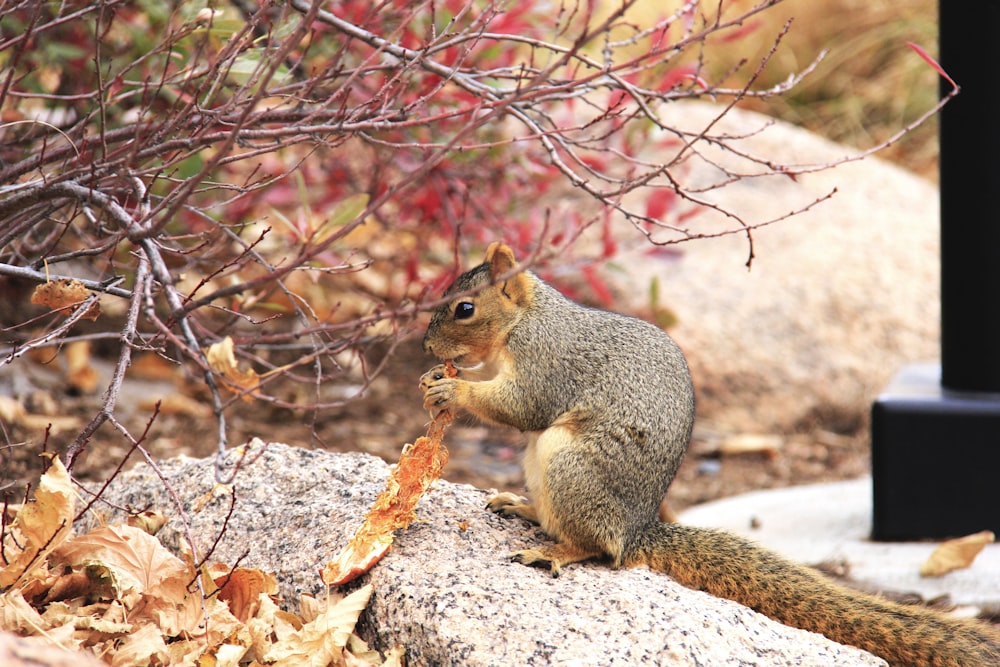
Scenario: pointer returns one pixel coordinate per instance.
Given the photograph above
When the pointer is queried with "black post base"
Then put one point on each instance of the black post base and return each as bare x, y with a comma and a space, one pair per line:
935, 459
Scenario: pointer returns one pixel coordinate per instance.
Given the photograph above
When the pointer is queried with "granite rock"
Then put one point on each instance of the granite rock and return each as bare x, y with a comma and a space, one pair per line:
446, 592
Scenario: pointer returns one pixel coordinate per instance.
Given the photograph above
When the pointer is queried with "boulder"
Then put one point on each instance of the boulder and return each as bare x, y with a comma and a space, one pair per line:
446, 592
836, 299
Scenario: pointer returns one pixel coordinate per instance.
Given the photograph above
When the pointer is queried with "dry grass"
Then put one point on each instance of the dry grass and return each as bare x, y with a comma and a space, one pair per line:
870, 85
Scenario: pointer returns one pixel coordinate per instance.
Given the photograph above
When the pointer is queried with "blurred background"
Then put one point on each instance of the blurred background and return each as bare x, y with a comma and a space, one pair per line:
867, 87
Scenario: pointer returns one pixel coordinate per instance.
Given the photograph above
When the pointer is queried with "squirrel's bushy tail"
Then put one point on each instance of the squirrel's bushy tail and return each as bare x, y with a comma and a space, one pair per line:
729, 566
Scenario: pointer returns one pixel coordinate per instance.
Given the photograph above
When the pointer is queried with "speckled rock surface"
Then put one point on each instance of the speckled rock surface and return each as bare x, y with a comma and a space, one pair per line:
445, 591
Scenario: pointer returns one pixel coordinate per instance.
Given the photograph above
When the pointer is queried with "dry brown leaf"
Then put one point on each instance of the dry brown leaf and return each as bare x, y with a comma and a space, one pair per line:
225, 655
11, 410
16, 615
420, 464
139, 648
39, 526
269, 625
149, 521
55, 424
241, 590
37, 585
358, 654
139, 609
152, 366
89, 618
187, 617
80, 374
322, 640
178, 405
64, 295
135, 560
956, 554
751, 443
70, 585
309, 607
394, 657
151, 582
222, 361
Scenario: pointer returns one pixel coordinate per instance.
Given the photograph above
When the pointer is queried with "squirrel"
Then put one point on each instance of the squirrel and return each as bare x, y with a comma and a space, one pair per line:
608, 403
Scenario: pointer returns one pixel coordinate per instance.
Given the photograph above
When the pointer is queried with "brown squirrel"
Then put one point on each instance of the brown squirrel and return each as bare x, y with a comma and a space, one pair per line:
609, 406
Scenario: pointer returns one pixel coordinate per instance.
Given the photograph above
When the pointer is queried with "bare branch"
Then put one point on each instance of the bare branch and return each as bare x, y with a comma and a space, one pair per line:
301, 178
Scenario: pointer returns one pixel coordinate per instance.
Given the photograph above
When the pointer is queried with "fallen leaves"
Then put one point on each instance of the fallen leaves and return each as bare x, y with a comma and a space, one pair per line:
751, 443
80, 374
956, 554
322, 640
39, 410
241, 590
38, 528
420, 464
117, 592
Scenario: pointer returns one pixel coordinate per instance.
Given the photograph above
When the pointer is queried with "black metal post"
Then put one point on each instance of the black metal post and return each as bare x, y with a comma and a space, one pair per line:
970, 199
936, 429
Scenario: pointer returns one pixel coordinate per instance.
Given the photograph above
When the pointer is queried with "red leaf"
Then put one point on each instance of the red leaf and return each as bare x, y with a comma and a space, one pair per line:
598, 164
933, 63
741, 32
658, 203
598, 285
663, 252
678, 75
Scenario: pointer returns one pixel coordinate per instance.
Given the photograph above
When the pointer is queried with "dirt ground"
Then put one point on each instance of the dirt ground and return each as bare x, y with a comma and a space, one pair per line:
389, 415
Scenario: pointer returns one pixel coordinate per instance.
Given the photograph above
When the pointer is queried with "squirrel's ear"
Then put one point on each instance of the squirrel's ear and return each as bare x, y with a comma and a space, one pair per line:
500, 258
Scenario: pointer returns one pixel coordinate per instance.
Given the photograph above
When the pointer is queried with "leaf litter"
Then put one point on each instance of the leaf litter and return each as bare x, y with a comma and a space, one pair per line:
118, 593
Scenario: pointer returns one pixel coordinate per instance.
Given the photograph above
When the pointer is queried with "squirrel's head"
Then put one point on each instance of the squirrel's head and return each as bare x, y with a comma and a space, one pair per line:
471, 329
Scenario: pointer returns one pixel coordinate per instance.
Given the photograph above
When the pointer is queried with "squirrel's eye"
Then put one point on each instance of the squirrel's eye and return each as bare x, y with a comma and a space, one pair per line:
464, 310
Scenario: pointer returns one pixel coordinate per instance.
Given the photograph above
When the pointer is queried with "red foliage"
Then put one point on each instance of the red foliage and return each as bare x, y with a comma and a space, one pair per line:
659, 202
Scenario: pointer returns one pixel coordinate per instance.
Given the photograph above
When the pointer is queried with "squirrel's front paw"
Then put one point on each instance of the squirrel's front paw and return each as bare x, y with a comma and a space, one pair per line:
439, 389
510, 504
439, 372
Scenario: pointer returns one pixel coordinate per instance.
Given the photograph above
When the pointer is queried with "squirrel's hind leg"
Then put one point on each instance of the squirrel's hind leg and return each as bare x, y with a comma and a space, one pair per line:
554, 556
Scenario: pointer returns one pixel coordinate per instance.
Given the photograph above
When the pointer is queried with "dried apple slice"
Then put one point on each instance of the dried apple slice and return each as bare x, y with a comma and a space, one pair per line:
420, 464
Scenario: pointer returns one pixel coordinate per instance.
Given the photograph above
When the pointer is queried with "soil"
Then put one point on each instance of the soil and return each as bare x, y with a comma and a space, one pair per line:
386, 417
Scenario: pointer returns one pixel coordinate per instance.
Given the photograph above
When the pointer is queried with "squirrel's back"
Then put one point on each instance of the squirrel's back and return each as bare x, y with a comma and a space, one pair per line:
614, 367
